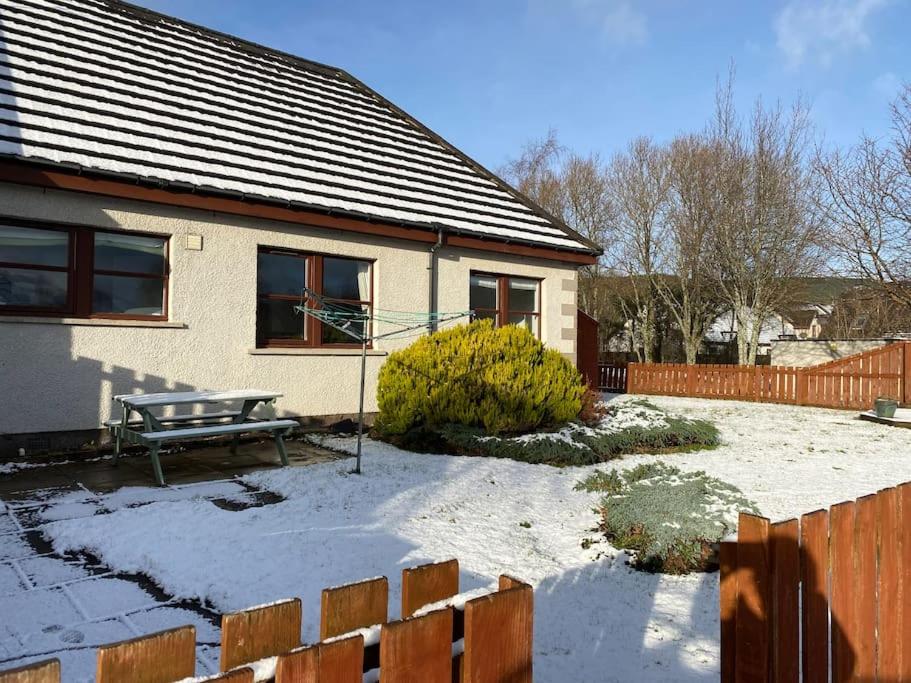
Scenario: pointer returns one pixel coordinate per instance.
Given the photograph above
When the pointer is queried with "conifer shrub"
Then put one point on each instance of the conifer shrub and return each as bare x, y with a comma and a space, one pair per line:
501, 380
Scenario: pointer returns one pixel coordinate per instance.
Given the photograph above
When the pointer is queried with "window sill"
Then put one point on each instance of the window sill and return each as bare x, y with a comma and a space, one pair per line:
291, 351
89, 322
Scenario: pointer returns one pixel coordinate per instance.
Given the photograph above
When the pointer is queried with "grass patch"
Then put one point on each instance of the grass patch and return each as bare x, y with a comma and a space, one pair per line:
625, 427
670, 521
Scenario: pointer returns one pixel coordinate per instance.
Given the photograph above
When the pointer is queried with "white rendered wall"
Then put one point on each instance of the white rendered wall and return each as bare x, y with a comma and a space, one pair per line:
60, 376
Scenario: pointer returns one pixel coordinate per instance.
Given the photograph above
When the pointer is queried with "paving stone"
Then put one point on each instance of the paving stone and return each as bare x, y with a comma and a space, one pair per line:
162, 618
13, 547
105, 597
49, 570
38, 610
9, 580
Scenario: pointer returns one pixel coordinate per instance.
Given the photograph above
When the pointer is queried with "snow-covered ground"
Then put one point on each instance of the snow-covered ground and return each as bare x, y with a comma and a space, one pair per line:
595, 619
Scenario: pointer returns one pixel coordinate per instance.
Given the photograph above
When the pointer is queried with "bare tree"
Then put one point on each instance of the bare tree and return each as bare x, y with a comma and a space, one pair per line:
694, 206
867, 202
573, 188
767, 232
638, 182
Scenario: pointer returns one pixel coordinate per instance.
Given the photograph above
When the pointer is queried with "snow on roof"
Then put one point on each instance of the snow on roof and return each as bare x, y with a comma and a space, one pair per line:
115, 88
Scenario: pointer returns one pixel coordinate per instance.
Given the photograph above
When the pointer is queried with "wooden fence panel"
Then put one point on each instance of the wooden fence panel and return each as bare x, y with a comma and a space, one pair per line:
848, 568
417, 650
814, 573
300, 665
260, 632
612, 377
161, 657
428, 583
41, 672
499, 636
354, 606
853, 382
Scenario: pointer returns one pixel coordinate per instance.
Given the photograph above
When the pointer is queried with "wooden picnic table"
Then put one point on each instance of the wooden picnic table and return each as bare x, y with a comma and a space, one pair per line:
152, 430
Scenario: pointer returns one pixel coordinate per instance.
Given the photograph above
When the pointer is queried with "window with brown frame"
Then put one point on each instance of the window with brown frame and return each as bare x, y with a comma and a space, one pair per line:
506, 300
282, 274
82, 272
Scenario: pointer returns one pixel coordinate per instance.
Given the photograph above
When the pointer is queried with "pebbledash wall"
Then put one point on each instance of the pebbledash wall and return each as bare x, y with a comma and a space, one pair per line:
57, 376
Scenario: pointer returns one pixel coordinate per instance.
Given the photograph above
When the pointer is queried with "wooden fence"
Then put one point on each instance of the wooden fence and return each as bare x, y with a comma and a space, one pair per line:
440, 639
853, 382
829, 594
612, 377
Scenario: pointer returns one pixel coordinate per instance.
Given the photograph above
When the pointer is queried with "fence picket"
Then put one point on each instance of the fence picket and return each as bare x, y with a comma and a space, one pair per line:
754, 591
728, 596
417, 650
889, 539
260, 632
498, 636
160, 657
47, 671
863, 628
785, 556
354, 606
814, 574
841, 546
428, 583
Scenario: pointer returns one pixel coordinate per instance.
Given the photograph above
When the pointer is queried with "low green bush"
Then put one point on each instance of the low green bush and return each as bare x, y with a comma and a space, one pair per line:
627, 427
501, 380
669, 520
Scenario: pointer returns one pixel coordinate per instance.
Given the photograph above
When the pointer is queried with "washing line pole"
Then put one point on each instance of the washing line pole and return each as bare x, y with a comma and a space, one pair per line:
327, 312
360, 409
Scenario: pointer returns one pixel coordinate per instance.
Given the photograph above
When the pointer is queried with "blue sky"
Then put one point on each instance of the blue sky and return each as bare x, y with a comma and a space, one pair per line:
488, 76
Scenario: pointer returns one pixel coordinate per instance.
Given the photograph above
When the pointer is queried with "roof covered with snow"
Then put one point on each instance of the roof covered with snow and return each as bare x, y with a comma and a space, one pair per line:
109, 87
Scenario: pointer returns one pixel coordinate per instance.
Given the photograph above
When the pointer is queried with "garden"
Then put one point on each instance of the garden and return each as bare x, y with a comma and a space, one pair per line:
609, 508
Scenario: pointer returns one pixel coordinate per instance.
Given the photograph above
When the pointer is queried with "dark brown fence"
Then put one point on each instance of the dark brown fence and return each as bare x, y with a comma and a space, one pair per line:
612, 377
484, 640
827, 595
853, 382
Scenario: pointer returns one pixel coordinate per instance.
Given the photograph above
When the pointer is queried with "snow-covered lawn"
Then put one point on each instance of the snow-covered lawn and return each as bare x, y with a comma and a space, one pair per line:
595, 619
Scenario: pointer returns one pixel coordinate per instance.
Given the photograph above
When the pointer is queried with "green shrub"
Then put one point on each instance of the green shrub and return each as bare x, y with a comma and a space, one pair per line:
498, 379
627, 427
669, 520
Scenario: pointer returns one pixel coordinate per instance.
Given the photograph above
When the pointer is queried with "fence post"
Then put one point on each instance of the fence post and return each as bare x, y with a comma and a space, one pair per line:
906, 374
690, 380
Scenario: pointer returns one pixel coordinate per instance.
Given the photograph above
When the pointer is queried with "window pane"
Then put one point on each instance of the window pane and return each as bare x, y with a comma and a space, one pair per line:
486, 315
523, 295
525, 320
129, 253
333, 335
482, 292
346, 279
280, 273
279, 320
133, 295
27, 287
34, 247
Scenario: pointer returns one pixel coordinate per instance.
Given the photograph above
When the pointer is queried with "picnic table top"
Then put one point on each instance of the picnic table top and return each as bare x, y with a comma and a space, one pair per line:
183, 397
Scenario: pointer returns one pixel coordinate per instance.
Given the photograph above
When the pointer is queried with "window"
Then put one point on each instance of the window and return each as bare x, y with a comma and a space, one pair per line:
506, 300
282, 274
82, 272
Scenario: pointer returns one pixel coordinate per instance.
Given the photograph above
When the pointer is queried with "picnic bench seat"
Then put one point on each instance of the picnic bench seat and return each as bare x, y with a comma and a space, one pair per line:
167, 419
153, 430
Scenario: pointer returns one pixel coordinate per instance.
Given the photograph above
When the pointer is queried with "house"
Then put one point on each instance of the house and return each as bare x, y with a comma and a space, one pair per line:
166, 191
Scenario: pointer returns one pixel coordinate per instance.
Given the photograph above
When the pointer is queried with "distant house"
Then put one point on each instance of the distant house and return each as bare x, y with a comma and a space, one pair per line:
166, 191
